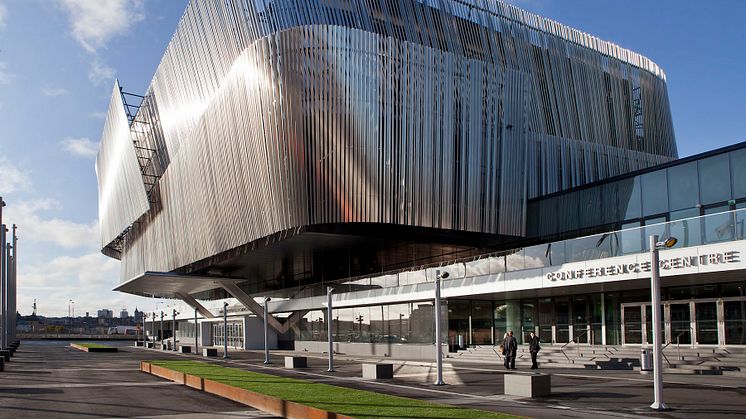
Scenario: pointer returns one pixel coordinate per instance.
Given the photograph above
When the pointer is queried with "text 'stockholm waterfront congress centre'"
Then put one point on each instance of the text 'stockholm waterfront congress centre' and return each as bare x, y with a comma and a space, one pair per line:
283, 147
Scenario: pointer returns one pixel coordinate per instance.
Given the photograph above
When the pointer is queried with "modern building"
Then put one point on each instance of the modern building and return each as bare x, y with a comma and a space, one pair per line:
105, 314
288, 146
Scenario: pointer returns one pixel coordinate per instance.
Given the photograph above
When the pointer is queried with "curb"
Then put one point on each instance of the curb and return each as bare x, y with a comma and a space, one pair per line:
268, 404
87, 349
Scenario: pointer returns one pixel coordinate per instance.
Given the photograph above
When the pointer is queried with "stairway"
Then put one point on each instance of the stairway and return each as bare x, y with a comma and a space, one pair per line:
696, 360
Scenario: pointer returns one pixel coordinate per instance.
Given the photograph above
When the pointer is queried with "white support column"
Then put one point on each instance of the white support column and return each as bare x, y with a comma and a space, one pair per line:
603, 319
721, 322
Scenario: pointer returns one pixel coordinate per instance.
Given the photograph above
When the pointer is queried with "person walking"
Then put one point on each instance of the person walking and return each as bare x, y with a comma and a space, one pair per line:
511, 348
502, 350
533, 348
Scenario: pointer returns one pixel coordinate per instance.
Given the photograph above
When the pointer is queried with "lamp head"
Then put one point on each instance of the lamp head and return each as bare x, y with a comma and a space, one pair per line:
668, 243
444, 275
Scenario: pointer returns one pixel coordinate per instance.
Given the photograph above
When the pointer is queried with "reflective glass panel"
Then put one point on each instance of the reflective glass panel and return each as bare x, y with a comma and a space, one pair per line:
654, 193
714, 179
629, 197
687, 230
718, 225
683, 186
738, 172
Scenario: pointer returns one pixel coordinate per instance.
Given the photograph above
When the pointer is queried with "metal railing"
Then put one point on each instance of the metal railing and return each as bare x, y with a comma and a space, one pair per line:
575, 341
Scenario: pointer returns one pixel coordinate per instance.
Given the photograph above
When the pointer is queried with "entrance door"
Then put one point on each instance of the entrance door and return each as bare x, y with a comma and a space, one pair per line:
681, 328
707, 323
632, 323
580, 319
562, 308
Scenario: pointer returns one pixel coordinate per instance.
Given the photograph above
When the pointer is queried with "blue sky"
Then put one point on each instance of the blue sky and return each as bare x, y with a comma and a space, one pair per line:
58, 60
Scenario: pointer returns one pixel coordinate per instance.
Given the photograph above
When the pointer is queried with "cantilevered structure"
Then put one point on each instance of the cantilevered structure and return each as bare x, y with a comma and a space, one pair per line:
286, 145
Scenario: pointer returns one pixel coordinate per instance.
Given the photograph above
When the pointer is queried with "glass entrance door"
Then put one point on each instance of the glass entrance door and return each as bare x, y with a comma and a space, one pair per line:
707, 323
681, 328
562, 308
632, 322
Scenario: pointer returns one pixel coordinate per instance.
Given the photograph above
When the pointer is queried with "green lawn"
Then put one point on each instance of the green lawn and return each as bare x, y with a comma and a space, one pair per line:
357, 403
92, 345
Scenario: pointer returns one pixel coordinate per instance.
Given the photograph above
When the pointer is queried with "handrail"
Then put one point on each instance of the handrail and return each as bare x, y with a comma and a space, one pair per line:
678, 340
574, 340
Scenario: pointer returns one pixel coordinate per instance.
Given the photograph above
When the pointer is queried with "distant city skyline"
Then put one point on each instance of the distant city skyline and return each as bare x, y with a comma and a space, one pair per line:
59, 59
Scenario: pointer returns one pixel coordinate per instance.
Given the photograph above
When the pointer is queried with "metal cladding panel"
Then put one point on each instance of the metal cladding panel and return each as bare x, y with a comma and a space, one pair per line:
445, 114
121, 192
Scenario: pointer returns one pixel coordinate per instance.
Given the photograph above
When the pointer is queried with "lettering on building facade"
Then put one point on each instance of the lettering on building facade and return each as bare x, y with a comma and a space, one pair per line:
733, 256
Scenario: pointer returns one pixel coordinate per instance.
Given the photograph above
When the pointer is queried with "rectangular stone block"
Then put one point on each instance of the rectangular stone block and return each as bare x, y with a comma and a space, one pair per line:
528, 385
185, 349
209, 352
378, 371
139, 343
164, 346
150, 345
296, 362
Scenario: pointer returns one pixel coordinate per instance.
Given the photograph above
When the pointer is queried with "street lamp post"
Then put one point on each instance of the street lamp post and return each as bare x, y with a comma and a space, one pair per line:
438, 333
266, 330
175, 313
329, 332
163, 334
196, 331
655, 294
225, 330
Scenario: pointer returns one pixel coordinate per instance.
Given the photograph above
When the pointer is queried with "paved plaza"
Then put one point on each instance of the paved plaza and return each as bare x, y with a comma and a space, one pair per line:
49, 378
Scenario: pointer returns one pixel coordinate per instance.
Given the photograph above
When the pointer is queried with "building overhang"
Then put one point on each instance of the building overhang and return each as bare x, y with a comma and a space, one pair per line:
171, 285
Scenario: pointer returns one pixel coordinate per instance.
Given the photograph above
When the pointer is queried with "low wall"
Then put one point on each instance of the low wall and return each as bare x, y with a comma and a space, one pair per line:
395, 350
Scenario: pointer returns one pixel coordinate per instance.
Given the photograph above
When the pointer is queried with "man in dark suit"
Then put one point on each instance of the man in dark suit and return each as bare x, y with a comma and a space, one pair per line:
533, 348
511, 348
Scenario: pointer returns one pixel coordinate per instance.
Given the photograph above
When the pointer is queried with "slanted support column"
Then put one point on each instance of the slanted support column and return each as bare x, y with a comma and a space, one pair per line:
195, 305
252, 305
247, 301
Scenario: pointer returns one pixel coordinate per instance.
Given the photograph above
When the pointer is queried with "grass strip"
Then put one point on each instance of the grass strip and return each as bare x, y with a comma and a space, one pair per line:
93, 345
347, 401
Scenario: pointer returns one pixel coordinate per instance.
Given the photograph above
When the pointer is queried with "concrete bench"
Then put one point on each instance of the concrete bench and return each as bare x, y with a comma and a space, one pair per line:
139, 343
378, 371
528, 385
296, 362
150, 345
164, 346
185, 349
209, 352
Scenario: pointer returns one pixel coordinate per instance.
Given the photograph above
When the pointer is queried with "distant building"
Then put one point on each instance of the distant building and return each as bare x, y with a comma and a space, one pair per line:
105, 314
138, 316
124, 314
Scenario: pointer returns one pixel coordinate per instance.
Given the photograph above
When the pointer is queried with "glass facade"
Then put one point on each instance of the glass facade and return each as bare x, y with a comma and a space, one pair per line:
691, 315
694, 187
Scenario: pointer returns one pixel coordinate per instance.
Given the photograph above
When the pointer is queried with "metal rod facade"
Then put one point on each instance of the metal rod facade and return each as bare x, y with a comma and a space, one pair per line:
196, 333
175, 313
349, 112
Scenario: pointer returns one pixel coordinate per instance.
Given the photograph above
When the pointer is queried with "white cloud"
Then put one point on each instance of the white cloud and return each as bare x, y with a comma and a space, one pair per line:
82, 147
5, 75
64, 233
94, 23
87, 279
53, 91
3, 15
12, 178
100, 73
